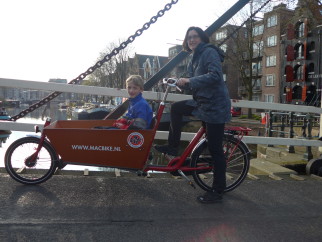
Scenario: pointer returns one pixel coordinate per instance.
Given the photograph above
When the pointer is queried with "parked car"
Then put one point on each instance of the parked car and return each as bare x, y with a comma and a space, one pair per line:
235, 111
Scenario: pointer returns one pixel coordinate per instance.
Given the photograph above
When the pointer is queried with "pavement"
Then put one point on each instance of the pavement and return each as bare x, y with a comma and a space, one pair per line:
108, 207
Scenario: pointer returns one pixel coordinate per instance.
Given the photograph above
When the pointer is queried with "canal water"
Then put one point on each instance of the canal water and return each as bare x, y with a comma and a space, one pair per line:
37, 116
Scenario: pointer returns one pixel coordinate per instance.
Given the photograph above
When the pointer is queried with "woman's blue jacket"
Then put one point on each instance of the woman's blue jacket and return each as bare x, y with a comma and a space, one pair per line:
210, 94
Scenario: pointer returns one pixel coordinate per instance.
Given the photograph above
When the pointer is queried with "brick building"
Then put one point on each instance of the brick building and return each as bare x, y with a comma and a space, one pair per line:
302, 62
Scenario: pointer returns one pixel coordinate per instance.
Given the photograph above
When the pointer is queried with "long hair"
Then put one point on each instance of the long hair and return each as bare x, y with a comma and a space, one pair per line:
202, 34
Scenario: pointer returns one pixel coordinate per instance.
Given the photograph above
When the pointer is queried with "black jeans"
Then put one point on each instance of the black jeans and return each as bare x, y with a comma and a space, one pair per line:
215, 135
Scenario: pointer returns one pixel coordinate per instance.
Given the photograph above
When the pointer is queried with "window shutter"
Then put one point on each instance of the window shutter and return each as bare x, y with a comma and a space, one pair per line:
290, 32
288, 94
290, 53
289, 73
304, 93
305, 27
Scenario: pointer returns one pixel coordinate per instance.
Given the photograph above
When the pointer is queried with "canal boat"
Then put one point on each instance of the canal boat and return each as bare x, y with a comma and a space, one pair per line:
4, 115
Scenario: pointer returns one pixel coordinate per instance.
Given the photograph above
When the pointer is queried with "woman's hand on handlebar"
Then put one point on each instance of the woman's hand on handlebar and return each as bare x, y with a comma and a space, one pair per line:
176, 82
183, 81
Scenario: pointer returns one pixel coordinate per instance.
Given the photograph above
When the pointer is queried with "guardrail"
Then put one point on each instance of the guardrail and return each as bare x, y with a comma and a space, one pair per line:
23, 84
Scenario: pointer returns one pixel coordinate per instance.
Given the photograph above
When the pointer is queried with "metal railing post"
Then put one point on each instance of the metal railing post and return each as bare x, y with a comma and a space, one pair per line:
290, 148
309, 119
270, 126
282, 133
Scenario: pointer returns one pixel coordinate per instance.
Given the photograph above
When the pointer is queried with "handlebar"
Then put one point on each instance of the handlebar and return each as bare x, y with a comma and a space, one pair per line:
171, 82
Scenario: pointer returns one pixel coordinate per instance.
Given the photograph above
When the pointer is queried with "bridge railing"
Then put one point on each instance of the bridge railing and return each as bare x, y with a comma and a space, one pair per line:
23, 84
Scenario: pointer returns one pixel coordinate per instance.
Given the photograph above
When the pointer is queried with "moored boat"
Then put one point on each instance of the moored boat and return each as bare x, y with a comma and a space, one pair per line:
4, 115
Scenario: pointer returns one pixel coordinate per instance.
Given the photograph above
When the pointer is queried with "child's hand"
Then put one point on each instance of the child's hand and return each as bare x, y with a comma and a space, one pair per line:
122, 123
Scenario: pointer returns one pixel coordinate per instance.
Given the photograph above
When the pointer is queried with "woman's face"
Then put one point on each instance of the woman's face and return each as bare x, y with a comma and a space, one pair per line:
193, 39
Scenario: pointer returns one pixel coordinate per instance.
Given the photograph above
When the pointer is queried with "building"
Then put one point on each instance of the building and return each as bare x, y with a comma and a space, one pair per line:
285, 58
302, 62
146, 65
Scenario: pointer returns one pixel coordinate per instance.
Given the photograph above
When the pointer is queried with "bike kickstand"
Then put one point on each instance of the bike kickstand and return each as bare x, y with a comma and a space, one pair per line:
185, 177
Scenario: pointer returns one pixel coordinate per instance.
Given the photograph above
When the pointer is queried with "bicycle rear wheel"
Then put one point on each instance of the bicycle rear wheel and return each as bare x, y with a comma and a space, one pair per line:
23, 168
238, 160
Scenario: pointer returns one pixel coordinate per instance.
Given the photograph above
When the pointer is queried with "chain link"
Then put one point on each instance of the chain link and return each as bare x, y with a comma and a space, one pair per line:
98, 64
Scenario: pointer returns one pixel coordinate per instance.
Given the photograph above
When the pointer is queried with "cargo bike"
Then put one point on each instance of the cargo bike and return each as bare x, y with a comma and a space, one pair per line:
33, 160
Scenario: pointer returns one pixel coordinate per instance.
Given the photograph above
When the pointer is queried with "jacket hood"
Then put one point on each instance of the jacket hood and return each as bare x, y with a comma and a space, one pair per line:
202, 46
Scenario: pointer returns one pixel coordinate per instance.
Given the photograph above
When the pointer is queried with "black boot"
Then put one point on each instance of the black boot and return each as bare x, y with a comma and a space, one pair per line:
213, 196
210, 197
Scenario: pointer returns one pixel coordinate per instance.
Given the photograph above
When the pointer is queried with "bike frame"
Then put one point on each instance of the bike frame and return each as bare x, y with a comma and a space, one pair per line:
34, 156
177, 162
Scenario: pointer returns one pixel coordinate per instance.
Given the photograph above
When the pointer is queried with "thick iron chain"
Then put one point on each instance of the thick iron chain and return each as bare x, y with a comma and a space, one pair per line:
99, 63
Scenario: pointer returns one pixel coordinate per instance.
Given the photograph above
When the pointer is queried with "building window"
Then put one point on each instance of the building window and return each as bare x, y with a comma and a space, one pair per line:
271, 60
298, 72
221, 35
270, 80
271, 41
255, 98
223, 47
297, 92
300, 30
299, 51
257, 30
271, 21
257, 68
311, 68
312, 46
269, 98
256, 84
258, 48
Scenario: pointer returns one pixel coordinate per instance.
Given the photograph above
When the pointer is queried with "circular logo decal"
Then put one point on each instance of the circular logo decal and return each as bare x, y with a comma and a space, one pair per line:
135, 140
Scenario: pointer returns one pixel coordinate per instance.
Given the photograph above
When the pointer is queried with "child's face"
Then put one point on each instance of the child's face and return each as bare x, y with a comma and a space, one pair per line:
133, 90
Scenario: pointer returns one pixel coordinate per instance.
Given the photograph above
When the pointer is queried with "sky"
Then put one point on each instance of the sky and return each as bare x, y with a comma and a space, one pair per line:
43, 39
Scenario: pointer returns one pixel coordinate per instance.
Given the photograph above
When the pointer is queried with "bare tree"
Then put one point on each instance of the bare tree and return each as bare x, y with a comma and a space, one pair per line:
113, 73
247, 52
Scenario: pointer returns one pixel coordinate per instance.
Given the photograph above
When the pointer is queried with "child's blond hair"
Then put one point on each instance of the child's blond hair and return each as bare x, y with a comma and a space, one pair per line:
137, 80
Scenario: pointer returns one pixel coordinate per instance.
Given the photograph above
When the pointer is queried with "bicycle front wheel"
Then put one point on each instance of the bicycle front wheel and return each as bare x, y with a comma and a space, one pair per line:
237, 157
26, 169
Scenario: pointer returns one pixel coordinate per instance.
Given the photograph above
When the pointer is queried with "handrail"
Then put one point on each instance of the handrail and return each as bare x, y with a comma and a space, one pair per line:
114, 92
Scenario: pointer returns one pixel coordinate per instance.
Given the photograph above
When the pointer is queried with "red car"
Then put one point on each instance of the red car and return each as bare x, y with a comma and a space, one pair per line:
235, 111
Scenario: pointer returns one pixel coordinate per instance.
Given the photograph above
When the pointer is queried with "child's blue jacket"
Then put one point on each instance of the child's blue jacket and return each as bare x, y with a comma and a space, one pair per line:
139, 108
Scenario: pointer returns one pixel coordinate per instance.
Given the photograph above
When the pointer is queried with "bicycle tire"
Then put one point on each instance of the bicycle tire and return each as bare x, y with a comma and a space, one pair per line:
37, 171
237, 165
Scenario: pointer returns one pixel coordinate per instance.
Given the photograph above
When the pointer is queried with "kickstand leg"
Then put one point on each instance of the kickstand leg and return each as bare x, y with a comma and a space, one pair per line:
185, 177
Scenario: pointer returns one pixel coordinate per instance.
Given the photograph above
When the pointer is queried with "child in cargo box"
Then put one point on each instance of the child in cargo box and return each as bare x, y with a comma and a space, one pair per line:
139, 113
